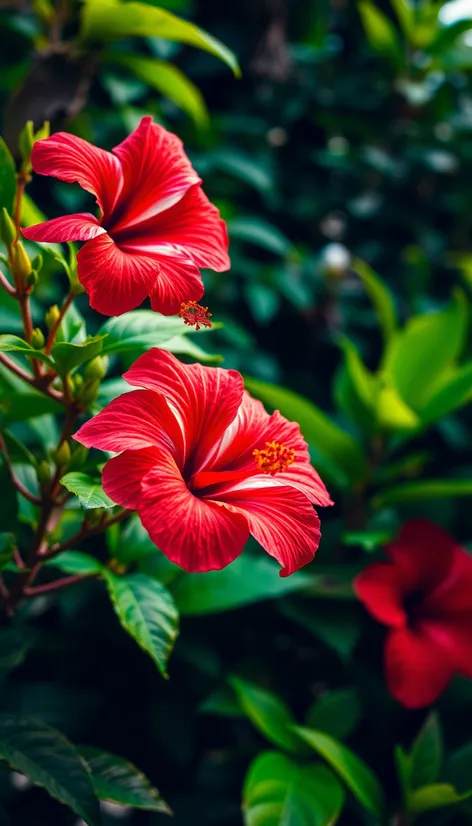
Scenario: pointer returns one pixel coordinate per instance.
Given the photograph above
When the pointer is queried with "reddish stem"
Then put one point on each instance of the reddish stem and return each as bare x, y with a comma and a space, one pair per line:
34, 382
35, 500
56, 585
7, 286
84, 533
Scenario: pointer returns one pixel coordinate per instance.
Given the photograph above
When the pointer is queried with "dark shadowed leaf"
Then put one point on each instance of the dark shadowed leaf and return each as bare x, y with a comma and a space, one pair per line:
118, 781
268, 713
426, 753
337, 713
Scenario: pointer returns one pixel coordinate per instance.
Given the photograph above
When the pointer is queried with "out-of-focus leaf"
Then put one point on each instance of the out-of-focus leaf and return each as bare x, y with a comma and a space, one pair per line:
359, 778
88, 491
279, 792
422, 491
7, 178
380, 296
337, 713
248, 579
392, 412
169, 81
434, 796
147, 612
268, 713
259, 232
458, 768
369, 540
14, 646
118, 781
251, 171
380, 31
103, 20
67, 355
47, 759
453, 393
426, 753
328, 439
405, 14
76, 563
335, 624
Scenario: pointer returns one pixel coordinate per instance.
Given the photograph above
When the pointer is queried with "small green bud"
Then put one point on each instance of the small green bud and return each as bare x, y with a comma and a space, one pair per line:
52, 316
44, 473
37, 262
89, 392
44, 132
62, 455
76, 384
21, 262
26, 143
96, 369
7, 228
79, 457
32, 279
37, 339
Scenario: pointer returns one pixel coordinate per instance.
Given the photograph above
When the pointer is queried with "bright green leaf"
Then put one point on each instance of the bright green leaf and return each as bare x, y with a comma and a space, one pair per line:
106, 19
76, 563
279, 792
434, 796
453, 393
138, 331
67, 355
359, 778
268, 713
392, 412
15, 344
47, 759
88, 491
118, 781
168, 80
380, 31
147, 612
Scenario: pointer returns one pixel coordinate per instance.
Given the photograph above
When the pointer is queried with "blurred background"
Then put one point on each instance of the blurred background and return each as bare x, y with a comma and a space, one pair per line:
345, 144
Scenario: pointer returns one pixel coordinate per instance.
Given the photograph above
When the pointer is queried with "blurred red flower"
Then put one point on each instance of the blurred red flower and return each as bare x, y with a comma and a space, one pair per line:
424, 595
205, 466
155, 228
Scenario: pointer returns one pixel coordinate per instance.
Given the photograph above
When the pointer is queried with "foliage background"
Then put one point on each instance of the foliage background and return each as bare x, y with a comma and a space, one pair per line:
325, 140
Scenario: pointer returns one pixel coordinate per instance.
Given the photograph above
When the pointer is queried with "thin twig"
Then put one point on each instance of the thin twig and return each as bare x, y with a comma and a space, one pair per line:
22, 374
56, 585
84, 533
7, 286
17, 559
35, 500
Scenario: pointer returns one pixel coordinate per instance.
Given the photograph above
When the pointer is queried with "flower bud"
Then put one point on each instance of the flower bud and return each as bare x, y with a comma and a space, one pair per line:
26, 143
37, 339
52, 316
7, 228
89, 392
96, 369
43, 473
37, 262
62, 455
21, 262
32, 279
79, 457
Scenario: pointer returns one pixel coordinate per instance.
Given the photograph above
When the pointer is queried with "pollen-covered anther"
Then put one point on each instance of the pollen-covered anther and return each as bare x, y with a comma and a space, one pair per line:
274, 457
195, 315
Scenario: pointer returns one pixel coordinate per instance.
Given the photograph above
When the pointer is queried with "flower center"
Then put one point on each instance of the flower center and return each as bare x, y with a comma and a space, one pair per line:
194, 314
274, 457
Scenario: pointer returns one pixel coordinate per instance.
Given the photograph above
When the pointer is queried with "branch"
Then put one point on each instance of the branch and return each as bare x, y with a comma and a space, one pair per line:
56, 585
84, 533
22, 374
7, 286
35, 500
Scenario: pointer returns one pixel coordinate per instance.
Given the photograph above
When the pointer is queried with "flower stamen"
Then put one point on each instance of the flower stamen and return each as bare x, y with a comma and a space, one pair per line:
274, 458
194, 314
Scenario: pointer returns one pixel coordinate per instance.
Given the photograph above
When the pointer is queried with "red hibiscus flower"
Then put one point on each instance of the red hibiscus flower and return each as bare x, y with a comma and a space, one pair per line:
205, 466
424, 595
155, 228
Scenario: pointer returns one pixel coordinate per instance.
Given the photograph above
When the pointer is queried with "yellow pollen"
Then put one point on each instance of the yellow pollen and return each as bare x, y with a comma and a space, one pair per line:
274, 458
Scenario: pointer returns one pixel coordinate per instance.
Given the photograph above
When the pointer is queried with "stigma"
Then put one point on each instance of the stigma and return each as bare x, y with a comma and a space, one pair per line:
274, 457
195, 315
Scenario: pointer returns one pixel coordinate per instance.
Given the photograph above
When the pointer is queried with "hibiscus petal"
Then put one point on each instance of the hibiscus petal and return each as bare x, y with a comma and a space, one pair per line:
156, 171
115, 281
283, 521
133, 421
122, 475
454, 640
250, 430
81, 226
179, 281
75, 160
416, 670
193, 226
423, 553
204, 400
452, 596
378, 587
195, 534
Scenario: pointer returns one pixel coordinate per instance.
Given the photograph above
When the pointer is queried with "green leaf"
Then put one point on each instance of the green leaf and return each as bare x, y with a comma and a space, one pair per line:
339, 629
67, 355
168, 80
106, 19
422, 491
119, 781
359, 778
15, 344
7, 178
337, 713
147, 612
426, 753
435, 796
454, 392
279, 792
458, 768
268, 713
247, 580
424, 350
47, 759
140, 330
259, 232
88, 491
380, 31
403, 766
75, 562
392, 412
380, 296
405, 15
19, 401
318, 429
